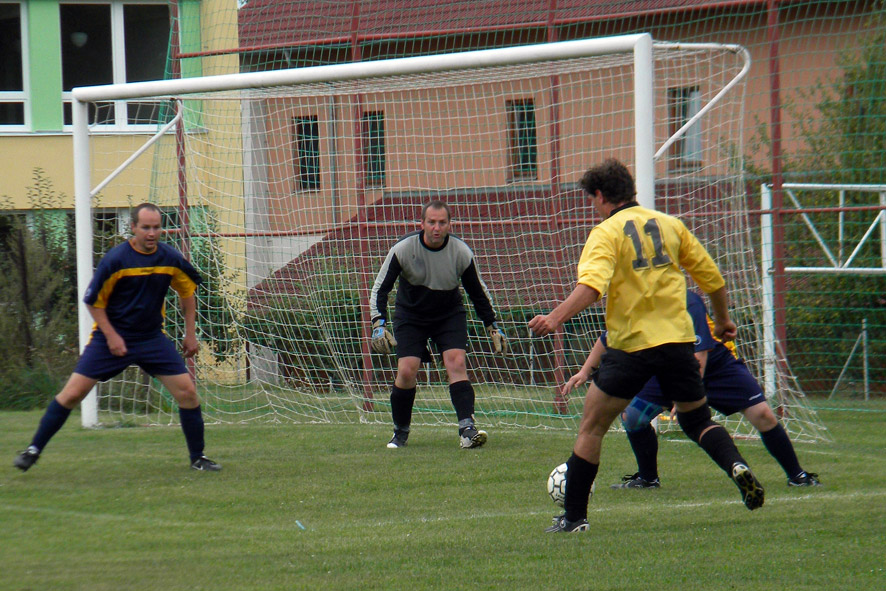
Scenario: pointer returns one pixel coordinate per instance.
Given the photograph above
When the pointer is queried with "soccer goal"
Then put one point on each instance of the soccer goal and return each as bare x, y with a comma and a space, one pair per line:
286, 189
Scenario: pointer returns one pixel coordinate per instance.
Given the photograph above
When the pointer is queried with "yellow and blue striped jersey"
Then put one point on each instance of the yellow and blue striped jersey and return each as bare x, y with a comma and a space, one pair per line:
634, 258
131, 286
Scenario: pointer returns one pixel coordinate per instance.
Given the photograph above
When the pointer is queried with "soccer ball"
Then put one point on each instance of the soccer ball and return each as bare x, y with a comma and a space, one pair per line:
557, 484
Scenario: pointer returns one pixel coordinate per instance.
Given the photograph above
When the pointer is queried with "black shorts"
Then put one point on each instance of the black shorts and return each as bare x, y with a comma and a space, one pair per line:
623, 374
447, 333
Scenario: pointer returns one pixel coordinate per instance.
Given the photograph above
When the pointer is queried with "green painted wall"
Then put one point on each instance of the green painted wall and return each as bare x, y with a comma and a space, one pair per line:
191, 41
44, 54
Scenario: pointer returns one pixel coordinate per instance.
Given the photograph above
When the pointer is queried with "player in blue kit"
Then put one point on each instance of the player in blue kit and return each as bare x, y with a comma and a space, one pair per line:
730, 388
126, 298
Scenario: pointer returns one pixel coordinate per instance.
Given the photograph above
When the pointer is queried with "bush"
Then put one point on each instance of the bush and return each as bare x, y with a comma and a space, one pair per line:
38, 296
27, 388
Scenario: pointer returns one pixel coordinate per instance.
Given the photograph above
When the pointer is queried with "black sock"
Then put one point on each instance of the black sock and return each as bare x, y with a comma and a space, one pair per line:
580, 475
645, 445
719, 445
401, 407
192, 425
462, 396
779, 445
52, 420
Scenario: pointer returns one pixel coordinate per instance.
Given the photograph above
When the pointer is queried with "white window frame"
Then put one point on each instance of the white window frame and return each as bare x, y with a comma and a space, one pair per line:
121, 219
689, 148
118, 65
692, 141
24, 95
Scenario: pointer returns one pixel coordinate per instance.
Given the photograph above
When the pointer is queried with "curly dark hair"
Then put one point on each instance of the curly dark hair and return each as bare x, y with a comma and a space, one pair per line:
612, 179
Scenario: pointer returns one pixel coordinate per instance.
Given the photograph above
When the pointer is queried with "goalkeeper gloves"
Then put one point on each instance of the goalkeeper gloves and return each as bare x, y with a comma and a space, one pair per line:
499, 341
382, 339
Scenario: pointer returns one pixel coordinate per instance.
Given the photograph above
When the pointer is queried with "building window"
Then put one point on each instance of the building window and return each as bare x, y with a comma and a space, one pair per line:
12, 72
372, 131
306, 150
683, 104
522, 141
114, 43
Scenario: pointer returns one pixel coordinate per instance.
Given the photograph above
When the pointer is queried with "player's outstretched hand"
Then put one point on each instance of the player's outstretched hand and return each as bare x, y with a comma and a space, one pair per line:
542, 326
499, 340
382, 339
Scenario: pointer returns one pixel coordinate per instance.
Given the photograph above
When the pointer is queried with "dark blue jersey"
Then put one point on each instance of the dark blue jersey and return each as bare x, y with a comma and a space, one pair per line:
719, 352
131, 286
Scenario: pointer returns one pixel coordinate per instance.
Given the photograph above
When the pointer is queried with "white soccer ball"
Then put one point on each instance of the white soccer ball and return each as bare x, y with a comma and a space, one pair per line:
557, 484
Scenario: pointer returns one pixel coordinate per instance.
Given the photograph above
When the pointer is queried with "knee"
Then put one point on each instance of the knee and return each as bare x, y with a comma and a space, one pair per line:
638, 415
70, 399
407, 370
405, 379
761, 417
695, 422
592, 427
454, 361
187, 396
71, 396
596, 422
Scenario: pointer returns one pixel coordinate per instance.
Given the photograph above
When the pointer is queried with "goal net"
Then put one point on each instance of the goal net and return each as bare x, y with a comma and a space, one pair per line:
286, 189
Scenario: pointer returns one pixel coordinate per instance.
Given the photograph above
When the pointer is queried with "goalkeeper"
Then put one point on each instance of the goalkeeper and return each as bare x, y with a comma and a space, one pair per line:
730, 388
431, 264
126, 297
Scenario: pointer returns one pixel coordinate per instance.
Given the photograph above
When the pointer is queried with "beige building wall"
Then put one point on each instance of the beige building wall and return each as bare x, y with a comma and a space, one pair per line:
482, 141
52, 152
449, 138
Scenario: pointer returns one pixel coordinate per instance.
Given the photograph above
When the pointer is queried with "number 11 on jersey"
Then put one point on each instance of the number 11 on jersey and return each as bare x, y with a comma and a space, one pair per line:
661, 258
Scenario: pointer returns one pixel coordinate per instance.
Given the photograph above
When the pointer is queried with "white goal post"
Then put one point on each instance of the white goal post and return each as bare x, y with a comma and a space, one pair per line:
288, 187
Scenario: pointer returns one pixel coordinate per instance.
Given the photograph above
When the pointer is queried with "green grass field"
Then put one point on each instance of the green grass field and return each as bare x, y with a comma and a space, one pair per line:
328, 507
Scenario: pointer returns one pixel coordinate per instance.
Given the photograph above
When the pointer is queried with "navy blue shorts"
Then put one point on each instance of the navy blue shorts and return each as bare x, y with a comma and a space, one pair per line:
730, 388
156, 354
624, 375
446, 333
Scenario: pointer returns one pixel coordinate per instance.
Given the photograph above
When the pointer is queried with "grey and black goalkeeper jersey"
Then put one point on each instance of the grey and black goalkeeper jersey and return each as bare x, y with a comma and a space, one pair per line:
429, 281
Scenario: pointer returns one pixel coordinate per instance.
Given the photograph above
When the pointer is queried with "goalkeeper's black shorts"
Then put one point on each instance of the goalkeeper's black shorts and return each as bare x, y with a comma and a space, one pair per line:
446, 333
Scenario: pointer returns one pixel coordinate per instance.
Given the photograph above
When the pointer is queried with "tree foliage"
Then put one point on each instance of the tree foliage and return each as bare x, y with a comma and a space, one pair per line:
842, 141
38, 296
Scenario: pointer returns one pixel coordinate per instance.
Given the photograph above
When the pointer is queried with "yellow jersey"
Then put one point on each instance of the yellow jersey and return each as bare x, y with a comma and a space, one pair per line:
634, 258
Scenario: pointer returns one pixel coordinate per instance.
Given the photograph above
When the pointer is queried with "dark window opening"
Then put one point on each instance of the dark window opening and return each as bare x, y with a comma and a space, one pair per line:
522, 140
373, 141
306, 146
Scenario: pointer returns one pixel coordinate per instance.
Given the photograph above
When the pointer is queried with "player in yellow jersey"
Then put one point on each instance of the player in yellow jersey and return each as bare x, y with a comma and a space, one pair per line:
635, 257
